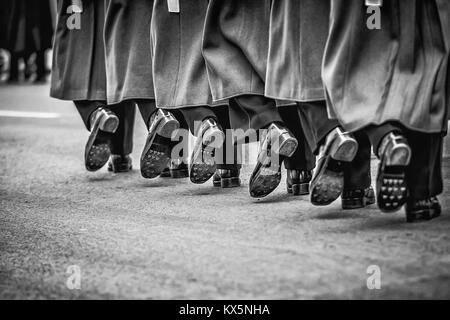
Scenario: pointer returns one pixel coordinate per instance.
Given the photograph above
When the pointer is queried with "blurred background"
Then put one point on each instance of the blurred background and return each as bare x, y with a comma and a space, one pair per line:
26, 32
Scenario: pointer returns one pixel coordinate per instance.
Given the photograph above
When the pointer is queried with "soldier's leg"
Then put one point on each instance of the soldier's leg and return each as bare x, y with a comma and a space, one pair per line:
229, 156
253, 112
14, 67
209, 157
40, 66
393, 149
260, 114
157, 158
334, 148
122, 139
424, 176
102, 124
194, 117
301, 164
358, 192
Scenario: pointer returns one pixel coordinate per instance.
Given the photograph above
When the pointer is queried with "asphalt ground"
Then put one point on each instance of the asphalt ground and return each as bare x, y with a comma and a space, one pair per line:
169, 239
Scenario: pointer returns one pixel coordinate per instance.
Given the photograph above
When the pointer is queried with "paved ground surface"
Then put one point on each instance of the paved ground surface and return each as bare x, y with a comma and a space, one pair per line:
134, 238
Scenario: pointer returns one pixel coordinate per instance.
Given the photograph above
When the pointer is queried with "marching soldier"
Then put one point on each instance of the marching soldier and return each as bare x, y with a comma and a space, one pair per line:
182, 92
298, 33
235, 51
79, 74
129, 68
391, 84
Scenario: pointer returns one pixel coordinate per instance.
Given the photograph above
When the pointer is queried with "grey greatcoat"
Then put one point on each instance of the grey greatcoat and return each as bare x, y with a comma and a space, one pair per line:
179, 70
398, 73
298, 34
235, 46
128, 55
78, 70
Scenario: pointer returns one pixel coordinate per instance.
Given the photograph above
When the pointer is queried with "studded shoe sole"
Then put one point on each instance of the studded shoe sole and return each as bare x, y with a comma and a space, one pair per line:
328, 181
392, 190
157, 151
97, 150
266, 176
203, 163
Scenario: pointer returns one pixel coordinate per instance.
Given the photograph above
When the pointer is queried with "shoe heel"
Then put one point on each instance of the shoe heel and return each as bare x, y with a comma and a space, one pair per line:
167, 126
400, 156
109, 122
344, 148
213, 137
287, 144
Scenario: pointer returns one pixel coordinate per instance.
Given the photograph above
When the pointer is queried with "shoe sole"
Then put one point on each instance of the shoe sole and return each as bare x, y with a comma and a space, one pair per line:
392, 189
287, 146
301, 189
156, 157
328, 184
265, 180
264, 184
97, 151
203, 165
344, 150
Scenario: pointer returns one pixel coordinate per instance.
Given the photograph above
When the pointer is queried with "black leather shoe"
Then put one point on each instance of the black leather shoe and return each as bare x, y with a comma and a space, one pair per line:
202, 164
97, 151
227, 178
328, 180
277, 143
356, 199
422, 209
297, 182
165, 173
120, 163
178, 169
157, 151
395, 156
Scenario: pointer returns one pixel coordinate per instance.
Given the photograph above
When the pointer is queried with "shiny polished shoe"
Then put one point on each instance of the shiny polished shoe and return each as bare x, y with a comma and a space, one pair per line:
328, 179
202, 164
276, 144
395, 156
97, 151
428, 209
357, 199
157, 151
227, 178
120, 163
297, 182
